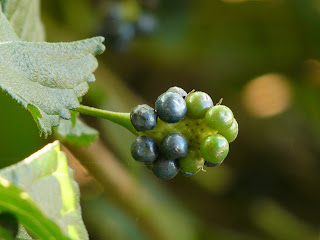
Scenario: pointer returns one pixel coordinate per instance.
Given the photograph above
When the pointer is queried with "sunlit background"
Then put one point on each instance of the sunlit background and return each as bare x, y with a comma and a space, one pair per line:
260, 56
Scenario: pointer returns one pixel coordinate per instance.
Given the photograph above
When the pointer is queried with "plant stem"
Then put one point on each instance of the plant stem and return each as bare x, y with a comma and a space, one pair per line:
120, 118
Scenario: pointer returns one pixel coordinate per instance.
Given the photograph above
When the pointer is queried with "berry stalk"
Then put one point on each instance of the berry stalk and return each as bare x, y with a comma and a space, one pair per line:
120, 118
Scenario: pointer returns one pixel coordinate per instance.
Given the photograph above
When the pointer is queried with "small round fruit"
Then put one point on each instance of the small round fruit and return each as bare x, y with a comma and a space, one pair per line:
178, 90
165, 169
198, 104
171, 107
146, 24
188, 174
143, 117
219, 117
232, 132
174, 146
210, 164
9, 222
144, 149
192, 163
214, 148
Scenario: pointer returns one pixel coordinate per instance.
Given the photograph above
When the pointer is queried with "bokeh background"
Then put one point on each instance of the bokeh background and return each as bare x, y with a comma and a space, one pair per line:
261, 57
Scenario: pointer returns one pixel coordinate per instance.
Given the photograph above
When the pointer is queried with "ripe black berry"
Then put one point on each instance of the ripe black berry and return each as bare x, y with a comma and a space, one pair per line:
144, 149
143, 117
174, 146
165, 169
171, 107
178, 90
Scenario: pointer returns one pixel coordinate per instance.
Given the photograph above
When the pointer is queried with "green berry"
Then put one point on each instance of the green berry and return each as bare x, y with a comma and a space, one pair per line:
192, 163
214, 148
232, 132
219, 117
198, 104
188, 174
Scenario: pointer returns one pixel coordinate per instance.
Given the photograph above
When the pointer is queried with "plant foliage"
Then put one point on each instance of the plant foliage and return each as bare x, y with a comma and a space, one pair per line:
43, 195
45, 78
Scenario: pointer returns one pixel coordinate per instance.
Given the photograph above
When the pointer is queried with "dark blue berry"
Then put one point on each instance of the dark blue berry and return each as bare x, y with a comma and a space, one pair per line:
174, 146
210, 164
143, 117
165, 169
115, 12
171, 107
126, 31
178, 90
144, 149
121, 41
146, 24
9, 222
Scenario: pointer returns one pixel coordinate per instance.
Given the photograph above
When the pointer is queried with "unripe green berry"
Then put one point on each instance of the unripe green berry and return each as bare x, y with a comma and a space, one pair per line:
198, 104
214, 148
192, 163
232, 132
219, 117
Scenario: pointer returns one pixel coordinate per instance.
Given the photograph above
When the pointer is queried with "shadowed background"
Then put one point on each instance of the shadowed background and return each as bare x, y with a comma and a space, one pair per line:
260, 56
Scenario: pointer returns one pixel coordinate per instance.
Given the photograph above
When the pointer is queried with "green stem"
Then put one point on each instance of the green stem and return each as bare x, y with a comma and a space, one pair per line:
122, 119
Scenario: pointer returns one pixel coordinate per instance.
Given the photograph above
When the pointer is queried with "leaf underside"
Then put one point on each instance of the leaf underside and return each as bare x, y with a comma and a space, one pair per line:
49, 77
24, 17
50, 187
75, 131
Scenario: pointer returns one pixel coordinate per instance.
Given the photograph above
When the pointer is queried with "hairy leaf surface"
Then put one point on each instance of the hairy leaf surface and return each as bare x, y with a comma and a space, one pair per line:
46, 78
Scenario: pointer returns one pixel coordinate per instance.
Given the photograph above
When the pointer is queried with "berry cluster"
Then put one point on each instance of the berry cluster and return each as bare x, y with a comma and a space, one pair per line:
123, 22
183, 133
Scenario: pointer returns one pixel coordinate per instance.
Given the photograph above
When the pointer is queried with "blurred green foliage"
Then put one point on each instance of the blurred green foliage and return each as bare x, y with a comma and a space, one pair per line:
268, 187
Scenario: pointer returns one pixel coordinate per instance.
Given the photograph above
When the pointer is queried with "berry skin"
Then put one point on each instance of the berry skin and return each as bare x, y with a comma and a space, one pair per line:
174, 146
178, 90
219, 117
232, 132
187, 174
198, 104
144, 149
209, 164
192, 163
214, 148
171, 107
9, 222
165, 169
143, 117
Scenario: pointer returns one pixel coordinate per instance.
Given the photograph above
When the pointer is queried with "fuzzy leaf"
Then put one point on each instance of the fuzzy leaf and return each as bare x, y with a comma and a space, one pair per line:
75, 131
24, 17
47, 181
47, 78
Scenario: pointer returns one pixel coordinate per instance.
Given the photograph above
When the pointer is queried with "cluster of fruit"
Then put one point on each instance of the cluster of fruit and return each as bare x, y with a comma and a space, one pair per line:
191, 132
124, 21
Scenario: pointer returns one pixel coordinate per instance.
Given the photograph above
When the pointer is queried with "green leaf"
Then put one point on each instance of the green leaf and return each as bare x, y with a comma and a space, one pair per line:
75, 131
5, 235
48, 76
24, 17
41, 192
